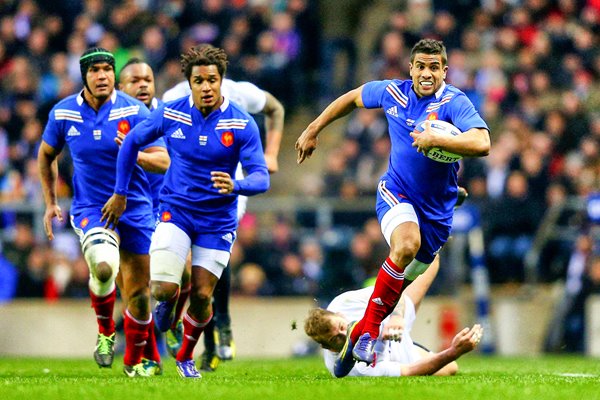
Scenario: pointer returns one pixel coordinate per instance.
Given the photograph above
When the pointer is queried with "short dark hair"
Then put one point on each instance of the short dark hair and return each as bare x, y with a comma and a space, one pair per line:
131, 61
204, 54
429, 46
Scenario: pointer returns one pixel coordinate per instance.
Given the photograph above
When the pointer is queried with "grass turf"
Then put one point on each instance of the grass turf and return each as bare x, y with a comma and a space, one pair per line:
480, 377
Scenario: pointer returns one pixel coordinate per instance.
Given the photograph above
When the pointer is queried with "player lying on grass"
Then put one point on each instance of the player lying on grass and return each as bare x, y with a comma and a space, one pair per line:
397, 354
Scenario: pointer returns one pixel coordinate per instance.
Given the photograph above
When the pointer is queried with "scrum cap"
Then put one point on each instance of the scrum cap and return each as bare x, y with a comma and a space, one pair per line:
93, 56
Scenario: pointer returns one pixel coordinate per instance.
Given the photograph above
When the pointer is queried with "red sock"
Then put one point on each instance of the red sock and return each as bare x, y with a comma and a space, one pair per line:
184, 294
104, 307
151, 348
192, 330
136, 338
386, 294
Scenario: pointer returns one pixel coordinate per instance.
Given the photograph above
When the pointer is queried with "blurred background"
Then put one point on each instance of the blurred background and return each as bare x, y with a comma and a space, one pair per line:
525, 247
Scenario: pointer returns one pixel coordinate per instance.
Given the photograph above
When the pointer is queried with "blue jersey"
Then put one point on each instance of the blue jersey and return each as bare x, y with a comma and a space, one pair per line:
198, 145
90, 136
429, 185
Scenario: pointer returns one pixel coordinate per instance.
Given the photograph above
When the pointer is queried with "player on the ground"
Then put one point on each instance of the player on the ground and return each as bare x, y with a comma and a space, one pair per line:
397, 354
206, 136
89, 122
136, 79
416, 195
253, 100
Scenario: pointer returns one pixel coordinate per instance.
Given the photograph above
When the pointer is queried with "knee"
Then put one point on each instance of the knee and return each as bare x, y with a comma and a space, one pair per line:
403, 252
103, 272
163, 291
140, 299
201, 296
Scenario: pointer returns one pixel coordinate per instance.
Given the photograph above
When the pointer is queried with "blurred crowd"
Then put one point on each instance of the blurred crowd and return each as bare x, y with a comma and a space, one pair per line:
531, 68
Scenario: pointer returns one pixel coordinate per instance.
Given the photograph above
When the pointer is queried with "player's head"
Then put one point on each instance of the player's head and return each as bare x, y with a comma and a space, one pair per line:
327, 328
97, 67
428, 66
204, 67
137, 79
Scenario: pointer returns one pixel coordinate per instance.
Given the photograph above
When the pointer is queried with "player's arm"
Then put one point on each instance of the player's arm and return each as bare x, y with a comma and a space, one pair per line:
473, 143
48, 170
464, 341
343, 105
143, 134
274, 120
154, 159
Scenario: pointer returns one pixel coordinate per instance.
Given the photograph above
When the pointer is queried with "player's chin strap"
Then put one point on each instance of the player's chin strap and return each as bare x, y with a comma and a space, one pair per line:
414, 269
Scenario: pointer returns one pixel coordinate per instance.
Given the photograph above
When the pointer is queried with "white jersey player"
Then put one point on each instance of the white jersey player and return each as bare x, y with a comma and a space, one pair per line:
397, 354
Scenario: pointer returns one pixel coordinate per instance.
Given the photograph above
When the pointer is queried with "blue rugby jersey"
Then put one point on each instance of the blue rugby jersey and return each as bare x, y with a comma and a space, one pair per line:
197, 146
90, 137
430, 186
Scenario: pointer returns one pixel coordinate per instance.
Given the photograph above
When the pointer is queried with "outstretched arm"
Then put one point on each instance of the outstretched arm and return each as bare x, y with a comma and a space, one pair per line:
343, 105
464, 342
274, 120
48, 168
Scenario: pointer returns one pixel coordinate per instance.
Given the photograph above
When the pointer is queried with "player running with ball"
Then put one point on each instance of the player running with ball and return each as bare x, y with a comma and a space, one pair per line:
416, 196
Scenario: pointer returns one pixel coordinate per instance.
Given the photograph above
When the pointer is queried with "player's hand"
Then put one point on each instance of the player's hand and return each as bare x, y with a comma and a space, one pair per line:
272, 163
394, 328
467, 339
112, 210
306, 144
222, 181
119, 139
424, 141
51, 212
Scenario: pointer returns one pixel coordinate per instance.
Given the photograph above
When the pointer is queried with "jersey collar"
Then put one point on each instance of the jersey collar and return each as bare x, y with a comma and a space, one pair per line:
80, 99
438, 94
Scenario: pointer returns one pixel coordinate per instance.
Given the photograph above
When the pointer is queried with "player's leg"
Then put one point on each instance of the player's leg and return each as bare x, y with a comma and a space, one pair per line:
174, 334
400, 227
225, 345
137, 317
100, 248
210, 255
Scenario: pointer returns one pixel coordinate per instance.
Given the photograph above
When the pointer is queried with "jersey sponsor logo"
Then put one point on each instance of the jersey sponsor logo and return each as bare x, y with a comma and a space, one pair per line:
397, 94
123, 112
68, 115
178, 134
178, 116
393, 111
73, 131
228, 237
232, 123
165, 216
227, 138
84, 222
97, 134
434, 106
124, 127
377, 300
202, 140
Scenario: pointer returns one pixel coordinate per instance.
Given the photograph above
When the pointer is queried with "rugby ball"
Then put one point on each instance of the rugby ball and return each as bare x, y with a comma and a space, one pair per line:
446, 128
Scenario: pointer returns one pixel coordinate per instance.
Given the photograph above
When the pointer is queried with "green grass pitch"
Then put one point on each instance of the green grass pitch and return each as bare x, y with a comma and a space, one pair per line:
480, 377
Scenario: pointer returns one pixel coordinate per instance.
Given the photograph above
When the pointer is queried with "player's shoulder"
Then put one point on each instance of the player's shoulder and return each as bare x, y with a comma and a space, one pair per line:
69, 102
452, 90
183, 104
235, 110
125, 99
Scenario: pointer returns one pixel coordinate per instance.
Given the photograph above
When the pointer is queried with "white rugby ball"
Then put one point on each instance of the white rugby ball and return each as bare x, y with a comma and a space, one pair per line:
437, 154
